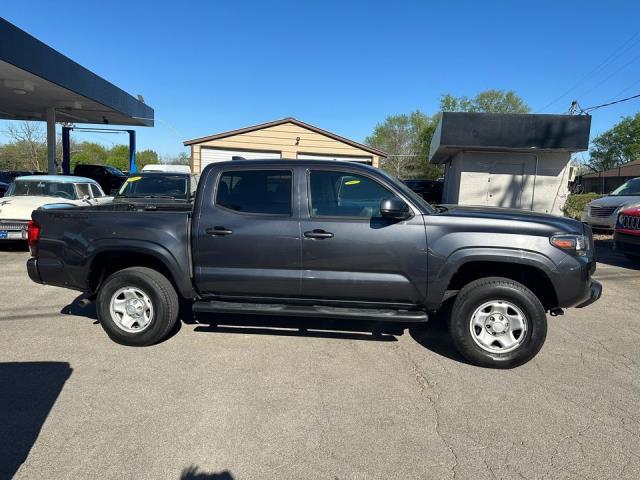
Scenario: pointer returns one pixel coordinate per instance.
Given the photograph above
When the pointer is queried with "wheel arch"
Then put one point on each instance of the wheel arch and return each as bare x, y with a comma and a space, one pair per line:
106, 260
532, 269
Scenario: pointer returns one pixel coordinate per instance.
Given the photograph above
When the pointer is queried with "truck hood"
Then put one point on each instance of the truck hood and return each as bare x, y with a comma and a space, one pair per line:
20, 207
505, 215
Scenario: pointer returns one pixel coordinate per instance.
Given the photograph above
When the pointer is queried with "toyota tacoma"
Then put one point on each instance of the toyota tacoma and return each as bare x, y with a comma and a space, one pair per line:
325, 239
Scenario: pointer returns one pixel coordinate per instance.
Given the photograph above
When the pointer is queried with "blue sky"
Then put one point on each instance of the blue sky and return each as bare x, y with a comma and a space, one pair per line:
210, 66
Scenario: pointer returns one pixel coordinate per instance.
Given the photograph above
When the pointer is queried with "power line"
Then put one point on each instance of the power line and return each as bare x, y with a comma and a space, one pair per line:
609, 76
624, 90
611, 58
595, 107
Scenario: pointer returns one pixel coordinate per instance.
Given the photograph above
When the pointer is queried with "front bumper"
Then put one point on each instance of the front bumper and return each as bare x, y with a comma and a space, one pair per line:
605, 223
596, 292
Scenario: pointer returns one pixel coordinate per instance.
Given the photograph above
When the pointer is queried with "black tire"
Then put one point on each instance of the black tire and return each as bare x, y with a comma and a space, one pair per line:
475, 294
162, 295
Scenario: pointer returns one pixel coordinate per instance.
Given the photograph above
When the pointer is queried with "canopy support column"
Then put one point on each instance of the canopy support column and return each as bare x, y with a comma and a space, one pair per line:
132, 151
51, 141
66, 151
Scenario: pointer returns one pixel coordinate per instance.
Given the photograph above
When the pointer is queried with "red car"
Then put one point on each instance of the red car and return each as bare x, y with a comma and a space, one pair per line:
627, 233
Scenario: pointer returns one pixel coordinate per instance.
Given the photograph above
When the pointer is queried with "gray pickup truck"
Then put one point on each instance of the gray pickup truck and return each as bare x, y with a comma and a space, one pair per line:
320, 239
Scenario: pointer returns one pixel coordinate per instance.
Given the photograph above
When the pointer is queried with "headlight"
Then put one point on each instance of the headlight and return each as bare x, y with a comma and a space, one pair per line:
576, 244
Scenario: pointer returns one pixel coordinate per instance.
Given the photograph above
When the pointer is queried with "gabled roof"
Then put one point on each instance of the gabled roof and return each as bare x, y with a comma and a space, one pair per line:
282, 121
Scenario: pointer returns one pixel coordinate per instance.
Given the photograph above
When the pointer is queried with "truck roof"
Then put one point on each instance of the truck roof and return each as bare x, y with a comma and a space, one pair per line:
279, 162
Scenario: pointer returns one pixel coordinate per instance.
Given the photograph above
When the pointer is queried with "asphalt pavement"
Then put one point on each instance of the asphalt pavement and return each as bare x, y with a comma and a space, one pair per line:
257, 398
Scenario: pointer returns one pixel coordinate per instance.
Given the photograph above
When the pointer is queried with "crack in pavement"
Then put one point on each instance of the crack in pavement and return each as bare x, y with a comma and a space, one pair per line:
425, 386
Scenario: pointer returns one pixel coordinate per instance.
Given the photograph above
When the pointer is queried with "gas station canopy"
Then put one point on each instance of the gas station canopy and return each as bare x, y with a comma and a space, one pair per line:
36, 79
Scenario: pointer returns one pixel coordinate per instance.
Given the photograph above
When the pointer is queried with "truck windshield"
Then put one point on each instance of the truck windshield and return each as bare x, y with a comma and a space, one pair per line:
156, 185
114, 171
40, 188
632, 187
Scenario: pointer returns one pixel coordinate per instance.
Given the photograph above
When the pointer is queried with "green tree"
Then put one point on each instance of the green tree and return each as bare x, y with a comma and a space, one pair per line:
146, 157
491, 101
400, 137
88, 153
407, 137
617, 146
181, 159
118, 156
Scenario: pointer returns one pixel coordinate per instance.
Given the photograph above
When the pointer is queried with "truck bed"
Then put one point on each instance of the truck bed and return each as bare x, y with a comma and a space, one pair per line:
73, 239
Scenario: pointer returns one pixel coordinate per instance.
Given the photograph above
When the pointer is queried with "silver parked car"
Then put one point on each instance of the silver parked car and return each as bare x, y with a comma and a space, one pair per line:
603, 212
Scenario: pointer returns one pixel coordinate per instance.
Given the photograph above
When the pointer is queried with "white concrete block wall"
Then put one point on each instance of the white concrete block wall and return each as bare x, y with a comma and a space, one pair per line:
508, 179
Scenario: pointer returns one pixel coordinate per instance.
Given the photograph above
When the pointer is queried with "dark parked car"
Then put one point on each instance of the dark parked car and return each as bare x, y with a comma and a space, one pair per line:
321, 239
429, 190
109, 178
156, 188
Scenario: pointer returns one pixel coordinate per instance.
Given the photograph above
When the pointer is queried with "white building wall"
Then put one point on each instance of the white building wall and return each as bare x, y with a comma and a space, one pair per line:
535, 182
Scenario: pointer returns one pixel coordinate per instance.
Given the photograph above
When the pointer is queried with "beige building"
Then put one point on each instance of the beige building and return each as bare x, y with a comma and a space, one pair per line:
286, 138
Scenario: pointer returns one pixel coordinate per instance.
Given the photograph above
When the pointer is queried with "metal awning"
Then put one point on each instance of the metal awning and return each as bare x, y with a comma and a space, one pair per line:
35, 77
39, 83
507, 132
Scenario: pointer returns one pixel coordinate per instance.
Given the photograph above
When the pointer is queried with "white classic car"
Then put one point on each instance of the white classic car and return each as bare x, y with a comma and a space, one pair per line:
29, 193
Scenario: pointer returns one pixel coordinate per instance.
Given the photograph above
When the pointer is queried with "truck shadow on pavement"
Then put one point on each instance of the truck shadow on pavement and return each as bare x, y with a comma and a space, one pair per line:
28, 391
14, 246
433, 336
81, 307
193, 473
607, 255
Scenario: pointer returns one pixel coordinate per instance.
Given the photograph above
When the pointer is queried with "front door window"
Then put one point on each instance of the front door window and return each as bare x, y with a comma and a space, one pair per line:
342, 194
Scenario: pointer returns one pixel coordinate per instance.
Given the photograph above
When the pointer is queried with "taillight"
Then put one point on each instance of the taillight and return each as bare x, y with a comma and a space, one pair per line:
33, 235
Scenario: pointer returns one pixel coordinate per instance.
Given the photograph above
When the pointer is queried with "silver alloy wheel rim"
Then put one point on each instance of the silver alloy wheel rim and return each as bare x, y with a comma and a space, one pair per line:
498, 326
131, 309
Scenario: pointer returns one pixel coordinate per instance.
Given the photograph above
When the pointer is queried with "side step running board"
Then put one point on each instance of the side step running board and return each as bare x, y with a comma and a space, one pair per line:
389, 315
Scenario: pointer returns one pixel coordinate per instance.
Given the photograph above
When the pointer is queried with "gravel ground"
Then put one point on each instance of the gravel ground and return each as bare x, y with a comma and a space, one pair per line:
247, 400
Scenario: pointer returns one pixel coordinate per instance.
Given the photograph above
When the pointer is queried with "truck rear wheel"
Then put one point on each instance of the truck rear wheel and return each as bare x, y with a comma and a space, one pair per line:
137, 306
498, 323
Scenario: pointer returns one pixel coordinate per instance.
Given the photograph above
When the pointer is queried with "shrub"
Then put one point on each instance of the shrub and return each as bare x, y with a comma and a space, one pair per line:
576, 202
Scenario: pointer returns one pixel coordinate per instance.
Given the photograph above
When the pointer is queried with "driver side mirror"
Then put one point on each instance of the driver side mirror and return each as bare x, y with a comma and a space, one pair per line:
394, 208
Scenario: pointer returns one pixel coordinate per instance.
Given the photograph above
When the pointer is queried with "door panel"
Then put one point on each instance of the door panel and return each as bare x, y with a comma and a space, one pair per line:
366, 258
241, 252
505, 184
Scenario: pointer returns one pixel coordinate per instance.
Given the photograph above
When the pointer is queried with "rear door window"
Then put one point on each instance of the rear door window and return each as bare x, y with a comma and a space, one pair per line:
264, 192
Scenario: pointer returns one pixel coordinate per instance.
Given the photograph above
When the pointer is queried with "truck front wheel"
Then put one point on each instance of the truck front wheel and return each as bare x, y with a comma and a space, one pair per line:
497, 322
137, 306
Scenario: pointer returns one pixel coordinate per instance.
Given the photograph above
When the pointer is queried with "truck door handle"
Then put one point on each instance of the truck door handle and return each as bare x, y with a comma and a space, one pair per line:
218, 231
318, 233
